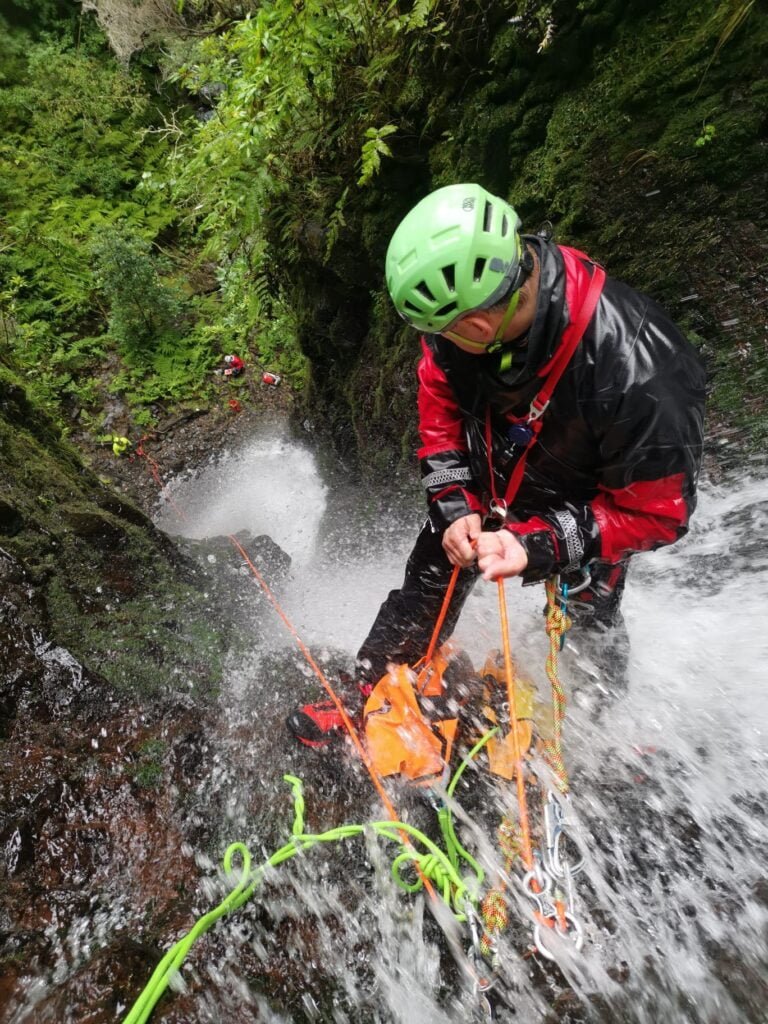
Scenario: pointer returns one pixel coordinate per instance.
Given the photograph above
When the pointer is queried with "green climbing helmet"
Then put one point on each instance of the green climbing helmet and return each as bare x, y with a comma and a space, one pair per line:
457, 250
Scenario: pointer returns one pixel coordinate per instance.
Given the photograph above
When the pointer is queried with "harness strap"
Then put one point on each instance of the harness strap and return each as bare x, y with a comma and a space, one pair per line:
554, 371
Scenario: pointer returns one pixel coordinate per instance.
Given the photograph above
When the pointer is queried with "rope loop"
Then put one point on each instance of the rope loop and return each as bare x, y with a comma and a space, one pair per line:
245, 857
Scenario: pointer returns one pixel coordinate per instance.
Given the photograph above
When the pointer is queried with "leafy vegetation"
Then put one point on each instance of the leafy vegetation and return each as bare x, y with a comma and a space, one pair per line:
236, 189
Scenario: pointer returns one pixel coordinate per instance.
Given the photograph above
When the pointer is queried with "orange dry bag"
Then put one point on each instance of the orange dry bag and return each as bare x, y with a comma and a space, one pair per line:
401, 738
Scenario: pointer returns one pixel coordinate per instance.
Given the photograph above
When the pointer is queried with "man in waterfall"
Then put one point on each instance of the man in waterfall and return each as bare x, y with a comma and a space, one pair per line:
561, 420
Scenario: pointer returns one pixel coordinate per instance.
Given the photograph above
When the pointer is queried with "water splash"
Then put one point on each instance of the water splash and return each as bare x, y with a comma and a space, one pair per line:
269, 486
669, 781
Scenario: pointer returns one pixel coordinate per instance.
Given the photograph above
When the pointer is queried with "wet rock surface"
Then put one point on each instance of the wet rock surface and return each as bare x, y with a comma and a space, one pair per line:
84, 830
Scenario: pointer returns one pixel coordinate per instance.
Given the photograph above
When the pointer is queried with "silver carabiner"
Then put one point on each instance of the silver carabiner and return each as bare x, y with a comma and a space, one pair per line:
540, 877
564, 594
574, 931
482, 973
498, 509
556, 834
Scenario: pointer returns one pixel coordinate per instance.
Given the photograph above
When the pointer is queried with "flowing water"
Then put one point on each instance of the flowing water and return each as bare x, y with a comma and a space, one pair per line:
668, 782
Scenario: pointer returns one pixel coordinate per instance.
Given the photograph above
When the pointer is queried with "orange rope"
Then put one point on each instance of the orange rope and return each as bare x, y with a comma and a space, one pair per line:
348, 723
525, 830
319, 673
441, 617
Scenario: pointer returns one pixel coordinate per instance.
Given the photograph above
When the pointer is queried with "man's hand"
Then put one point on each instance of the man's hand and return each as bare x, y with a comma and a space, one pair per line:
458, 540
500, 554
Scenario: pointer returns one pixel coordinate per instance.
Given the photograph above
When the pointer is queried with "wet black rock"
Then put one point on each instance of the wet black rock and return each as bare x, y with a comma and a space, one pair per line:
11, 520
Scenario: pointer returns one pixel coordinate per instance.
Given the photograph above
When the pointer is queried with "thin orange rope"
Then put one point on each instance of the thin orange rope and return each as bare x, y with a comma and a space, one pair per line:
525, 829
348, 723
441, 617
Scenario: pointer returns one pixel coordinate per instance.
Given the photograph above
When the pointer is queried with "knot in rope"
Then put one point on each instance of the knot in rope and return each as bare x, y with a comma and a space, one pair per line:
558, 622
431, 867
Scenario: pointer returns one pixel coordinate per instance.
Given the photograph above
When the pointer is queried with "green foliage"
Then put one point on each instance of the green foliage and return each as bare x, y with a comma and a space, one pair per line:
305, 97
373, 149
141, 242
708, 133
70, 154
145, 311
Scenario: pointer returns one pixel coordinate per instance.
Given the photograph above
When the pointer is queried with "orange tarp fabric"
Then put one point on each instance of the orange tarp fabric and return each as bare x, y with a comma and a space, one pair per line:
501, 757
399, 738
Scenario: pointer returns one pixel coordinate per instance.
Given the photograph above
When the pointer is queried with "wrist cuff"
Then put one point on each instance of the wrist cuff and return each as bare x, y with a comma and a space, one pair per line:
541, 548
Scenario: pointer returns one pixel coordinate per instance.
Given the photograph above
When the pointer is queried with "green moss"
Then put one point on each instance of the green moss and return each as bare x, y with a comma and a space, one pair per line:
147, 771
114, 591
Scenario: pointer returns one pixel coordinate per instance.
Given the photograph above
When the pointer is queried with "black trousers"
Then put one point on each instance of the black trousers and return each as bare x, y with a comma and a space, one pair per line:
403, 627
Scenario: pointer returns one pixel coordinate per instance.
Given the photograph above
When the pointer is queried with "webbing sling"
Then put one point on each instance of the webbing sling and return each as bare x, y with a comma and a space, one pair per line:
571, 338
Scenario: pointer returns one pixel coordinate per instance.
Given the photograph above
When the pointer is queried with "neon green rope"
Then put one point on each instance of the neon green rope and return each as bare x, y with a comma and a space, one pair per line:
434, 864
456, 852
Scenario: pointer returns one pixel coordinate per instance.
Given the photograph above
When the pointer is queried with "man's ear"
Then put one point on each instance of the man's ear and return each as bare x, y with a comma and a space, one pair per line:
480, 323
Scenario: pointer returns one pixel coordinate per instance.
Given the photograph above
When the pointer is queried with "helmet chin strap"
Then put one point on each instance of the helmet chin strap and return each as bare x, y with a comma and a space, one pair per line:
497, 342
506, 320
459, 339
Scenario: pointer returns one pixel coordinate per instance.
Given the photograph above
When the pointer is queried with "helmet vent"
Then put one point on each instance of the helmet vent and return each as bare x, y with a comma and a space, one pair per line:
449, 274
411, 308
487, 217
423, 289
444, 310
479, 267
504, 226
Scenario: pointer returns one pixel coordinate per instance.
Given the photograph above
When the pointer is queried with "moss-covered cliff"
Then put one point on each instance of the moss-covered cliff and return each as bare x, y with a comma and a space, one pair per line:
638, 129
89, 571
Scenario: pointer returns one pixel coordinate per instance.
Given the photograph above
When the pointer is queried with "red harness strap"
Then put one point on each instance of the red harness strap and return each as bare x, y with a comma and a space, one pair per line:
554, 370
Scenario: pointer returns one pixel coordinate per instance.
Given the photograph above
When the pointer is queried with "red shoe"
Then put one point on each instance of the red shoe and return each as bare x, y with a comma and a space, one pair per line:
316, 725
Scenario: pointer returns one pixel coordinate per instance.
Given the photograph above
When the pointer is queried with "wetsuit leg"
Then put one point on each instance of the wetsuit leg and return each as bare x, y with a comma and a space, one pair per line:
598, 606
403, 627
599, 624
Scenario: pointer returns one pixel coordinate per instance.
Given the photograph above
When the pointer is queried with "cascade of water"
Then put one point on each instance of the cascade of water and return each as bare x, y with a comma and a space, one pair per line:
668, 781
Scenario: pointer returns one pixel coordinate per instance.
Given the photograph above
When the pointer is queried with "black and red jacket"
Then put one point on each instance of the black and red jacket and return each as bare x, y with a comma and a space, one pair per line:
615, 467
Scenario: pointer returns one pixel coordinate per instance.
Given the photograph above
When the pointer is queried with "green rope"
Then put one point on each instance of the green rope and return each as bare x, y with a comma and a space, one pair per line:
434, 865
456, 852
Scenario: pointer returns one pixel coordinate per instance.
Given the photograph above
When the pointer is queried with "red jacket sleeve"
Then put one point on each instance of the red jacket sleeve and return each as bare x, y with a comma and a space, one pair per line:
440, 424
445, 469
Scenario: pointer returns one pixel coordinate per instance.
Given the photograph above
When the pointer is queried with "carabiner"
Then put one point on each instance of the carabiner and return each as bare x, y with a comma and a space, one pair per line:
556, 835
498, 509
574, 932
